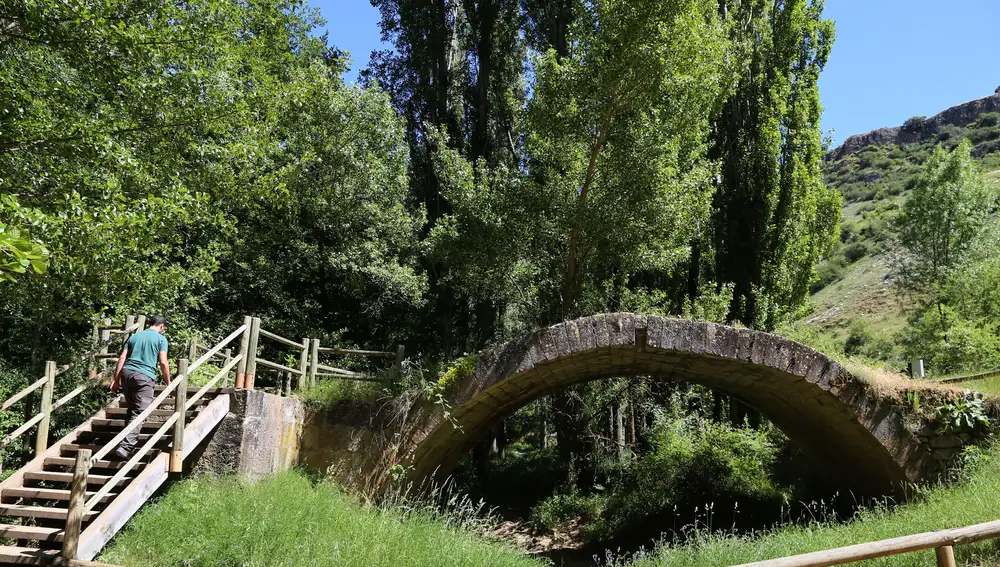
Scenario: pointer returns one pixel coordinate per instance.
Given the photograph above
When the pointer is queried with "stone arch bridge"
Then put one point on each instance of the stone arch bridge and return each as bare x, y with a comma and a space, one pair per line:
865, 441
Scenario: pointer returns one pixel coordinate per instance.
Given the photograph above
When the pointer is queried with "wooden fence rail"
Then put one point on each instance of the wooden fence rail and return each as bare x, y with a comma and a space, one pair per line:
942, 542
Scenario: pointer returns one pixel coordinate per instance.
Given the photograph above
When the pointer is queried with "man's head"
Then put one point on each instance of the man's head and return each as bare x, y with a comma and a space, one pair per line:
157, 323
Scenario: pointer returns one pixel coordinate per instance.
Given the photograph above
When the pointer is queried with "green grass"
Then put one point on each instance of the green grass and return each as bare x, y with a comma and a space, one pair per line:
975, 501
289, 521
989, 386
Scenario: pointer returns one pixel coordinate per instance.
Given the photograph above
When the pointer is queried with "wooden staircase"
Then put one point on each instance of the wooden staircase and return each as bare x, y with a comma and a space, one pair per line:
34, 501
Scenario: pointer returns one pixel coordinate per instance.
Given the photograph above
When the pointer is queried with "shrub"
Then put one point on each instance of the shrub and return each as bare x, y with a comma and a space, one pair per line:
560, 511
858, 335
828, 273
855, 251
914, 123
693, 462
988, 119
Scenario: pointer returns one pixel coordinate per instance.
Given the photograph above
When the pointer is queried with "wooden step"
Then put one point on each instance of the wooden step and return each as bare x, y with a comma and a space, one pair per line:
116, 425
45, 493
72, 448
66, 477
37, 533
51, 513
121, 412
211, 392
71, 462
101, 437
27, 555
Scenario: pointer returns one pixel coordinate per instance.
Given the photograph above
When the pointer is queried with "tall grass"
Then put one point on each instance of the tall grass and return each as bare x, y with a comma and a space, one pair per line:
975, 501
288, 521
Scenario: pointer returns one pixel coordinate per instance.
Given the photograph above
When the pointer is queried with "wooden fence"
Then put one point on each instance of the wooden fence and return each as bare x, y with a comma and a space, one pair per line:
99, 352
942, 542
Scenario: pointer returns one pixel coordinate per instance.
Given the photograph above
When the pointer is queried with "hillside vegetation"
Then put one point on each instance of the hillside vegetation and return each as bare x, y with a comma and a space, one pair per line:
856, 306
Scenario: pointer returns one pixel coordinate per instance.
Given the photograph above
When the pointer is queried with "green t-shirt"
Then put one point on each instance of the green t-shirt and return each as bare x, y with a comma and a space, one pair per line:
144, 350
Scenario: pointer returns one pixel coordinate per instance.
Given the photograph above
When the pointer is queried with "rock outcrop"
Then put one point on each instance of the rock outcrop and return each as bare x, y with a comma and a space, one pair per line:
960, 115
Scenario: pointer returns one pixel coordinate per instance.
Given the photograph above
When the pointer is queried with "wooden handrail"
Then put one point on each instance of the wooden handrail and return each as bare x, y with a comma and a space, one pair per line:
23, 393
276, 366
372, 353
337, 371
943, 539
280, 339
139, 419
155, 404
61, 370
47, 384
131, 463
208, 385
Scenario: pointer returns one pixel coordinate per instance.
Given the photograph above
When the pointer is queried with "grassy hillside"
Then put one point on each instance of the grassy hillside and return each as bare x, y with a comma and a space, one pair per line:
287, 521
853, 297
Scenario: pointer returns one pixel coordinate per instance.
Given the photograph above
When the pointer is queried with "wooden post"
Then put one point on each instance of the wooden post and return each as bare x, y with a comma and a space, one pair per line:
42, 435
95, 337
228, 353
303, 365
252, 359
129, 321
105, 336
400, 355
77, 500
313, 363
180, 400
287, 390
945, 556
193, 348
241, 367
142, 324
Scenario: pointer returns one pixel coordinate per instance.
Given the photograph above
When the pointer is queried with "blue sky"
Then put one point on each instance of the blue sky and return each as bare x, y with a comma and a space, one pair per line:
893, 58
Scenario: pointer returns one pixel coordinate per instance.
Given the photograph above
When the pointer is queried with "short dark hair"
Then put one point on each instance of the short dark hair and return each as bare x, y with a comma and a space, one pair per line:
157, 320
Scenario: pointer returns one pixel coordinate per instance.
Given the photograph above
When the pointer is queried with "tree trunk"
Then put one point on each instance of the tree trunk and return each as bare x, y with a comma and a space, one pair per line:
619, 428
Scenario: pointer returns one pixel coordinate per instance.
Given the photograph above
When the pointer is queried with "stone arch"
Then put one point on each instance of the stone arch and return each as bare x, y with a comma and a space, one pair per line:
828, 412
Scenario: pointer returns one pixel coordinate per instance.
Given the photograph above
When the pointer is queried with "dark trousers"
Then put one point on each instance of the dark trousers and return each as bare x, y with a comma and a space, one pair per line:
138, 389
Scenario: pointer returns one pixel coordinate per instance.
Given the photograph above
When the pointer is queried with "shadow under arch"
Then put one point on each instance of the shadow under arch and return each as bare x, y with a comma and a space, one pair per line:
853, 435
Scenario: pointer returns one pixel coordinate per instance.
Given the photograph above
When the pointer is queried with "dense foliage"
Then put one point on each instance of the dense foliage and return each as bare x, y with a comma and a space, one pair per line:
505, 164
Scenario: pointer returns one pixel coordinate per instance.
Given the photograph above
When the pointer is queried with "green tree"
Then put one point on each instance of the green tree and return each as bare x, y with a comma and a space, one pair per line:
18, 252
773, 218
946, 261
942, 227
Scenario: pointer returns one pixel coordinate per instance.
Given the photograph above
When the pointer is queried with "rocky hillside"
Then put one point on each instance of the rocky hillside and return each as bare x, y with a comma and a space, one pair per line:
920, 129
874, 172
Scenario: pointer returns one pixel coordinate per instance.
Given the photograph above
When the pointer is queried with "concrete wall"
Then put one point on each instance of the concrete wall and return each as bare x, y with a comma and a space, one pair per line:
263, 434
259, 436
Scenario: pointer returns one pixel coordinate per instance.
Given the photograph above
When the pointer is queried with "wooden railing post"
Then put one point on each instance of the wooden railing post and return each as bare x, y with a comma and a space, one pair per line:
42, 435
77, 501
180, 400
400, 355
142, 324
129, 321
303, 365
313, 363
241, 367
105, 336
945, 556
252, 357
95, 337
193, 348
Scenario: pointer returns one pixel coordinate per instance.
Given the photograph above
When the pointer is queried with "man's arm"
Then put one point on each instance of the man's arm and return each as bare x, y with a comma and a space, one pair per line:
165, 367
116, 381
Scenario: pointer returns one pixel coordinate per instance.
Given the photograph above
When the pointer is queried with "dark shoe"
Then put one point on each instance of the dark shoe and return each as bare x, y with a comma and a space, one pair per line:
120, 455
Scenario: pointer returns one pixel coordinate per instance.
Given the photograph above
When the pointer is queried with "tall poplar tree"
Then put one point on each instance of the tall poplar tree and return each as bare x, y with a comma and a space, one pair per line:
774, 218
